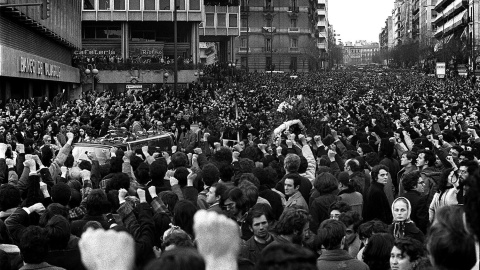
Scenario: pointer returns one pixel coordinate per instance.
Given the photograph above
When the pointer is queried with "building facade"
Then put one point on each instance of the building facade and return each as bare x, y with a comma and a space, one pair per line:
324, 31
451, 28
360, 53
35, 52
279, 35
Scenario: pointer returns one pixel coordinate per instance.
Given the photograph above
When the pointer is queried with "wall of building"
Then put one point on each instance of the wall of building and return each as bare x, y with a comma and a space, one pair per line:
64, 18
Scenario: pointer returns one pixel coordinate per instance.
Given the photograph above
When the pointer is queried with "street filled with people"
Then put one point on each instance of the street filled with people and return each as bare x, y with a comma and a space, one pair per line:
347, 169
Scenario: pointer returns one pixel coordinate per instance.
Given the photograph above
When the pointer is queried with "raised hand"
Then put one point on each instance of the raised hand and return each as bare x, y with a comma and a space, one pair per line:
100, 250
218, 240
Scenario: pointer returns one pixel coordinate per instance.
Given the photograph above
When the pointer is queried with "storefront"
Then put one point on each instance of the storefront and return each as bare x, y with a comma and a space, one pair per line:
36, 50
25, 75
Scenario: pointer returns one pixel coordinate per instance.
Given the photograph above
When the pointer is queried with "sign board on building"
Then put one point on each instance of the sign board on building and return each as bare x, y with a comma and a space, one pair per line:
19, 64
440, 70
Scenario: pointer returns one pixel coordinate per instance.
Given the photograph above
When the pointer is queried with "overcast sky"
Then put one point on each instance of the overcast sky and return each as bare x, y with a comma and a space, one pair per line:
359, 19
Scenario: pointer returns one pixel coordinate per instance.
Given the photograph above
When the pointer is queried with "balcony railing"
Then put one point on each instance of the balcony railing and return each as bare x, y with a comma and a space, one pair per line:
266, 49
269, 29
244, 50
294, 9
245, 29
294, 50
294, 30
138, 66
268, 9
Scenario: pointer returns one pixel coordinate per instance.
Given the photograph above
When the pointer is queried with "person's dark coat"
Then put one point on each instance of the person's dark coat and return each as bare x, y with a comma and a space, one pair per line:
339, 259
68, 259
419, 205
376, 205
410, 230
319, 209
77, 225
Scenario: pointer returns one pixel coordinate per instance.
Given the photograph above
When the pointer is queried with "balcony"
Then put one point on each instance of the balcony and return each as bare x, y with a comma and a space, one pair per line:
322, 2
322, 46
268, 9
293, 30
460, 19
270, 29
244, 50
322, 24
450, 11
244, 29
294, 9
266, 49
321, 12
293, 50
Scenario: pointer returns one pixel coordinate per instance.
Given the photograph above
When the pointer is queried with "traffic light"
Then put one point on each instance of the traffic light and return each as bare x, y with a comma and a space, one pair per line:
45, 9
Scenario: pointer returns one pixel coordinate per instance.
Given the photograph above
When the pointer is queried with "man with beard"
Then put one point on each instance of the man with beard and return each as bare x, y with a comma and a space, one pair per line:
466, 169
293, 227
259, 224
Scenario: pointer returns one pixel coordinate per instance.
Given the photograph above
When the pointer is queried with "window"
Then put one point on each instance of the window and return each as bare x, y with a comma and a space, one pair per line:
114, 32
293, 3
293, 23
164, 5
101, 32
194, 4
88, 32
104, 5
232, 20
143, 35
243, 61
293, 63
244, 22
89, 4
244, 3
149, 4
269, 22
268, 62
210, 20
268, 44
134, 5
180, 4
221, 20
243, 43
294, 43
268, 3
119, 4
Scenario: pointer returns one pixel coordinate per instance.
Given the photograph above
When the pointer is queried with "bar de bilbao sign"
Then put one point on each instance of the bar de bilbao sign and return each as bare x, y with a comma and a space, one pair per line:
32, 66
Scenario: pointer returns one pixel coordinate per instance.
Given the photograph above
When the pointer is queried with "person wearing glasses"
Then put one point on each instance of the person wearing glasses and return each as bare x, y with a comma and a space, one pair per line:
414, 187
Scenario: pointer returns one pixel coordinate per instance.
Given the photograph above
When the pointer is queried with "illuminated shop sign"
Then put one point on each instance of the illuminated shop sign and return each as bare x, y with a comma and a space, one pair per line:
32, 66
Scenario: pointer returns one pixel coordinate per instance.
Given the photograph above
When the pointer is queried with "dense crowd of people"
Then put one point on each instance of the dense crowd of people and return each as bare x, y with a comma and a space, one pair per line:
334, 170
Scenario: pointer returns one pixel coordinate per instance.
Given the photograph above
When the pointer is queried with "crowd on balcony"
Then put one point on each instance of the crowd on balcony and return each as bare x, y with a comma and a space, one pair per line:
116, 62
331, 170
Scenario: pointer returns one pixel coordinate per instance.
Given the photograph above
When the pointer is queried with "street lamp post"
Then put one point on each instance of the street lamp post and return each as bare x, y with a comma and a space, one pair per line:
175, 52
165, 78
92, 71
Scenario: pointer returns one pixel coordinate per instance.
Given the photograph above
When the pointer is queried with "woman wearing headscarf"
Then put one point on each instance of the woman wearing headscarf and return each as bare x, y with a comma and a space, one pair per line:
402, 225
